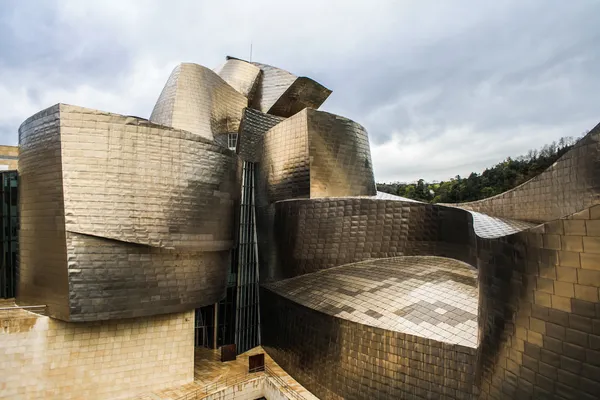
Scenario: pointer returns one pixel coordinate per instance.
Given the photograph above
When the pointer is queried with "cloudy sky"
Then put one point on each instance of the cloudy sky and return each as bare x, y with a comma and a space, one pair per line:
444, 88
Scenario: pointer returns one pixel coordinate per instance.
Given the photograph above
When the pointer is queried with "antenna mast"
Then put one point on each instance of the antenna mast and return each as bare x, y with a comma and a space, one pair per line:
250, 51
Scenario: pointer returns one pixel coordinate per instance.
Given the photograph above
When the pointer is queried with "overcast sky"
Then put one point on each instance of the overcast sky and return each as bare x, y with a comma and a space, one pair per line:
443, 87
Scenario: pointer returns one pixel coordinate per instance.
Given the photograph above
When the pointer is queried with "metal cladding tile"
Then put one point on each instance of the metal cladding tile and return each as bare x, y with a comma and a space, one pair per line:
133, 181
272, 85
308, 235
240, 75
431, 297
124, 279
303, 93
570, 185
537, 309
198, 100
336, 357
315, 154
340, 157
284, 94
42, 277
102, 176
253, 127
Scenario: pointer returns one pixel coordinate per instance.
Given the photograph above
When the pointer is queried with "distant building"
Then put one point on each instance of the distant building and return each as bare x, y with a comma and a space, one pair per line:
9, 157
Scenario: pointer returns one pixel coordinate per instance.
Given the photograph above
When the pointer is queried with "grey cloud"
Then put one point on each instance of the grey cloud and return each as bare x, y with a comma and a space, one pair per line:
507, 75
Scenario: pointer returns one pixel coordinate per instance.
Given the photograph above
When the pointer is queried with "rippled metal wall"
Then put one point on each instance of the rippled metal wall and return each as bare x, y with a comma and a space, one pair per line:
241, 75
569, 185
340, 359
540, 312
316, 154
142, 213
314, 234
198, 100
252, 130
282, 93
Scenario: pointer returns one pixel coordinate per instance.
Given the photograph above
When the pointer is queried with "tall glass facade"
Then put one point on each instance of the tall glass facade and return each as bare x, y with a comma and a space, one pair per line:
237, 317
9, 233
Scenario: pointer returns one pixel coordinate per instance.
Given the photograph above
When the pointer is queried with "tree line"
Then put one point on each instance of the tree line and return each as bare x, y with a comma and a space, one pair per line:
501, 177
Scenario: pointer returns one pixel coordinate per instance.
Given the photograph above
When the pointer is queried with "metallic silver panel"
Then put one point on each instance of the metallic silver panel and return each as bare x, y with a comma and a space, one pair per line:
340, 359
539, 311
130, 180
283, 94
569, 185
198, 100
314, 234
253, 127
273, 84
43, 275
431, 297
340, 157
316, 154
240, 75
303, 93
142, 212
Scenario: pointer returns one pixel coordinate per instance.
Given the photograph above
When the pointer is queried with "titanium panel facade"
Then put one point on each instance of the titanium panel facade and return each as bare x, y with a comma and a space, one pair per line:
142, 213
240, 75
282, 93
253, 127
314, 234
316, 154
568, 186
340, 359
539, 311
198, 100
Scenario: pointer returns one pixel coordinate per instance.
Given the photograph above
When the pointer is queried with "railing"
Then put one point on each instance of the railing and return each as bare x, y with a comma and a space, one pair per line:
41, 309
220, 384
230, 381
283, 384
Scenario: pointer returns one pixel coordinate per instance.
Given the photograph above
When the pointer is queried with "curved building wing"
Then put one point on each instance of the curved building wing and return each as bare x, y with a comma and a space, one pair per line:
121, 217
198, 100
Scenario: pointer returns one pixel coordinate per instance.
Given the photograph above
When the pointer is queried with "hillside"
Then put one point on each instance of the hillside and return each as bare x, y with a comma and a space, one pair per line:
492, 181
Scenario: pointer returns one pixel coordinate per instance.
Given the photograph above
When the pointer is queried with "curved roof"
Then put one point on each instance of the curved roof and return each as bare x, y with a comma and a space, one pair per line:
431, 297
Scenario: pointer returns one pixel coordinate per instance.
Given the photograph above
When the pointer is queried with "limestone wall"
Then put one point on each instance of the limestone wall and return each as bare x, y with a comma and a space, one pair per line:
45, 358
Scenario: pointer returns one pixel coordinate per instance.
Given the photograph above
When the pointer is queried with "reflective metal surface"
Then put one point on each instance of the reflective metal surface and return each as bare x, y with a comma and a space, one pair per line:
121, 217
431, 297
283, 94
314, 234
198, 100
316, 154
252, 130
240, 75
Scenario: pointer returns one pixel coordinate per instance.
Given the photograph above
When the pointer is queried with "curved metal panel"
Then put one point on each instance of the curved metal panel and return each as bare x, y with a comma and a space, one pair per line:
338, 358
314, 234
253, 127
42, 275
539, 311
282, 93
198, 100
571, 184
303, 93
134, 181
109, 279
240, 75
316, 154
340, 157
431, 297
117, 207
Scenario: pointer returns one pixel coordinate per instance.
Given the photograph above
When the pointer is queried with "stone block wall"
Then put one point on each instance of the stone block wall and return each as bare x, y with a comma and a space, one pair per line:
45, 358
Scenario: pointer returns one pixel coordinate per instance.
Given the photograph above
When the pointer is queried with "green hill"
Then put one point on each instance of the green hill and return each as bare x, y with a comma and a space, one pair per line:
501, 177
